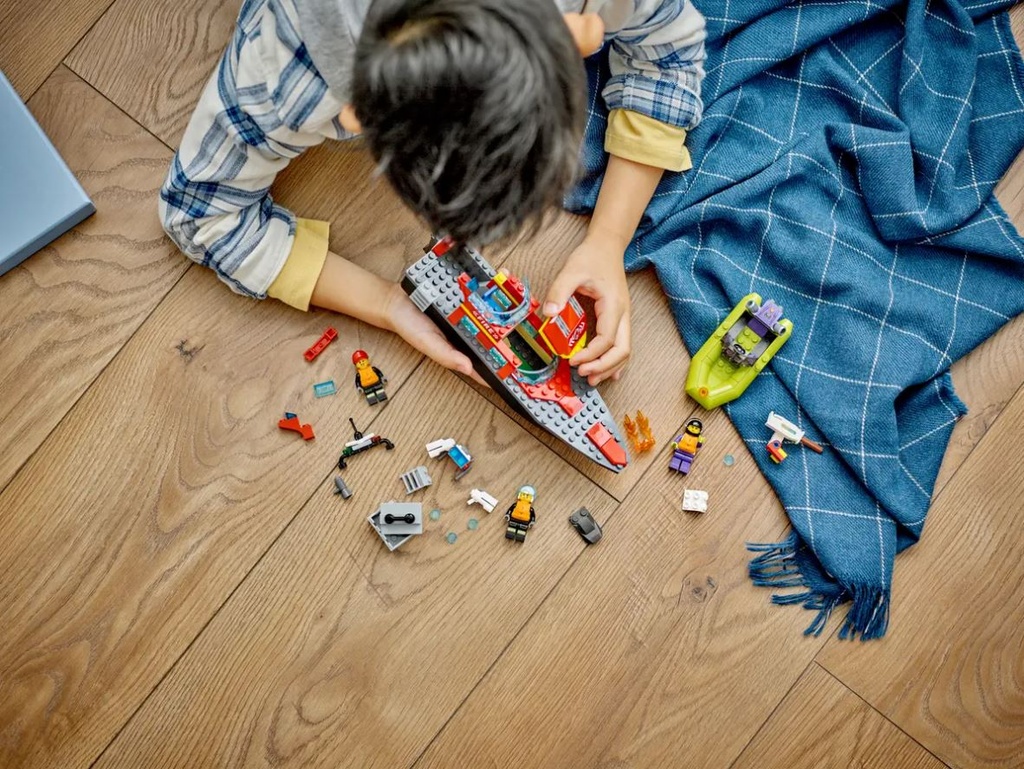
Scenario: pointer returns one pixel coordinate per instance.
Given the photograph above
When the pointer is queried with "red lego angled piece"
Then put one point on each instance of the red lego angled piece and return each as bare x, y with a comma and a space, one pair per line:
564, 332
605, 441
442, 246
326, 338
558, 389
293, 423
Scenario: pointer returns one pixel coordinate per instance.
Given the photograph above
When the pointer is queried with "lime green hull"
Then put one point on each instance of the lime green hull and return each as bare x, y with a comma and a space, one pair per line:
713, 379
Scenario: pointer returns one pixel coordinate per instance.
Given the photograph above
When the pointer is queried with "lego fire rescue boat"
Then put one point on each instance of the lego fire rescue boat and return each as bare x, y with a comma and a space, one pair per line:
493, 318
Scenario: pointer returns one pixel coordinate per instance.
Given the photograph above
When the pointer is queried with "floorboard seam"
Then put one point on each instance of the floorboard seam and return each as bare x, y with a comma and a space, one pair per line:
774, 710
540, 604
988, 430
116, 106
44, 441
68, 53
498, 657
879, 712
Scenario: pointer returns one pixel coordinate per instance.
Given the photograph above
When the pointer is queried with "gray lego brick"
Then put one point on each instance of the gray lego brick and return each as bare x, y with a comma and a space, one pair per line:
396, 534
441, 275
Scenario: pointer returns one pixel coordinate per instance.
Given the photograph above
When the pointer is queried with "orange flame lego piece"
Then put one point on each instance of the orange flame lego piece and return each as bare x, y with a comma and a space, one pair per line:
639, 433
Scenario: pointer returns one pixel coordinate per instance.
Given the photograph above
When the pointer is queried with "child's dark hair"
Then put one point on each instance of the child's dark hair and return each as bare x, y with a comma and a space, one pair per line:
473, 109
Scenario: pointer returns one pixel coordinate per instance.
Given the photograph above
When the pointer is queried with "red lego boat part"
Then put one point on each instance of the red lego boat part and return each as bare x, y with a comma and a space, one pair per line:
559, 390
605, 441
566, 331
292, 423
325, 339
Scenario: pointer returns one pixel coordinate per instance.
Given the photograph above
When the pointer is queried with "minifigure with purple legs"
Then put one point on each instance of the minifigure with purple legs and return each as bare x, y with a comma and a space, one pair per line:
686, 446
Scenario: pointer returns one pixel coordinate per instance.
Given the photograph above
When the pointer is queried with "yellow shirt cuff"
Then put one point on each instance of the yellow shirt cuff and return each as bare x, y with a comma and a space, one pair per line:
295, 283
642, 139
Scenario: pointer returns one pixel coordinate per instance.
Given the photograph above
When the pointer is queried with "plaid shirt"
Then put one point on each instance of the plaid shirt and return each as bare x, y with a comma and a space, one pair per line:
266, 103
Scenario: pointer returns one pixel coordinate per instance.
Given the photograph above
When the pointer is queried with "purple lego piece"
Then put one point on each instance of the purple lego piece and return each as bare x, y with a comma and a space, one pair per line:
681, 461
765, 318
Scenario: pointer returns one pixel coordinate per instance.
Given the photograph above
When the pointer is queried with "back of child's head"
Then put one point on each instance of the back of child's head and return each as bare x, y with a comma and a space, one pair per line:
472, 108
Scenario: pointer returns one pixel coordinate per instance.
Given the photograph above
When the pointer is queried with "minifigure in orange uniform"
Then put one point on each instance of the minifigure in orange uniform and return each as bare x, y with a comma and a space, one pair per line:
685, 446
370, 380
520, 515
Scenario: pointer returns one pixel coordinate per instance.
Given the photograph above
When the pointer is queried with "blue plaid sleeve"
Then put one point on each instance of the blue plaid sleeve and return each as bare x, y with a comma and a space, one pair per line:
264, 105
657, 61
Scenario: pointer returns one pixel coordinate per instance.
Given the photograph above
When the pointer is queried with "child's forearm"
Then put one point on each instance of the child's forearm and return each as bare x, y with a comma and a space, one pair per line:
625, 192
347, 288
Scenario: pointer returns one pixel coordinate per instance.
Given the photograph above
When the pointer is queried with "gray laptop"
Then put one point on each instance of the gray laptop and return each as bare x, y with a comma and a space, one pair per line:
39, 198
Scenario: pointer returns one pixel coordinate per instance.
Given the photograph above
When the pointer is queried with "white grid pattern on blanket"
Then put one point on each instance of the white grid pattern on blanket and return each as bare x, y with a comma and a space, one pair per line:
857, 455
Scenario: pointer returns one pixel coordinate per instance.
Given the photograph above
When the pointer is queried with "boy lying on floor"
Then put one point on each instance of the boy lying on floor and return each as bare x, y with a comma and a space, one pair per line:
473, 111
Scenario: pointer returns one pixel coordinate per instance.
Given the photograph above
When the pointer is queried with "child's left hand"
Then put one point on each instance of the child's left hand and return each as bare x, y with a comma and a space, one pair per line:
597, 271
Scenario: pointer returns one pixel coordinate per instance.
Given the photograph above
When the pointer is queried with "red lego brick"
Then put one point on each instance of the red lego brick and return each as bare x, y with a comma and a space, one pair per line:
292, 423
326, 338
605, 441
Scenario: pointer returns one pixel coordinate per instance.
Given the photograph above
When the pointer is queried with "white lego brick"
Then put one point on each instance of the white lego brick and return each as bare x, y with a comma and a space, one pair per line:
695, 501
482, 498
440, 447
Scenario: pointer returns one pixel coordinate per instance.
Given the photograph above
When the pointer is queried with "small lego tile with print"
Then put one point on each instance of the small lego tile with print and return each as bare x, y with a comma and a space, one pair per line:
323, 389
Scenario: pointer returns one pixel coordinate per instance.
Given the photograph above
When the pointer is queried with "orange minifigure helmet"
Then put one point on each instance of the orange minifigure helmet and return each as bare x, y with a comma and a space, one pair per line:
359, 355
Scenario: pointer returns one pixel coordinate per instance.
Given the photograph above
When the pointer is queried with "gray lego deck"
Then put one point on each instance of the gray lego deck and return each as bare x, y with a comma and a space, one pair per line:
436, 282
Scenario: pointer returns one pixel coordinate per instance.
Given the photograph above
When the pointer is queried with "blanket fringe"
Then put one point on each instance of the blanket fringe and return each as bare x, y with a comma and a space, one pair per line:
869, 615
776, 567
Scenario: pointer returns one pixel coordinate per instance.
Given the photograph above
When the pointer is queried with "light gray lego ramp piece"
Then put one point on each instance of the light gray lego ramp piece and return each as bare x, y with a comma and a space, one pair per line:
416, 479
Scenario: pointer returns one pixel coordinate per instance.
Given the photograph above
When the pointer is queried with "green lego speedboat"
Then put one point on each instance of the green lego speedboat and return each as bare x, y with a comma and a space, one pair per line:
741, 346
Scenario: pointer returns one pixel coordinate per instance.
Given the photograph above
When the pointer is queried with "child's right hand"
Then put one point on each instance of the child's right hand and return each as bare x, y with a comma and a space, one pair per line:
345, 287
405, 319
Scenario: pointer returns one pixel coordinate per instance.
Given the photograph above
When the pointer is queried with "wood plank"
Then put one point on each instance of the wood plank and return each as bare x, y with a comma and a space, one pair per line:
70, 308
822, 724
335, 652
1010, 191
35, 36
652, 381
153, 59
986, 380
152, 500
951, 677
654, 646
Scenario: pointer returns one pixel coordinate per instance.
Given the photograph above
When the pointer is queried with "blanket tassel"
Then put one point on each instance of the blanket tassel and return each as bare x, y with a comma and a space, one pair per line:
776, 566
869, 615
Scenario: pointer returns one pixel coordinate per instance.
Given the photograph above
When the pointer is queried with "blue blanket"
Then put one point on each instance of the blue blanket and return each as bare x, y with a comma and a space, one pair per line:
844, 167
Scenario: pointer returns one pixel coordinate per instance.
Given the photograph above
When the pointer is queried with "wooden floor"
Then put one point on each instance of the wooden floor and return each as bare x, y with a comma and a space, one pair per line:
179, 587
